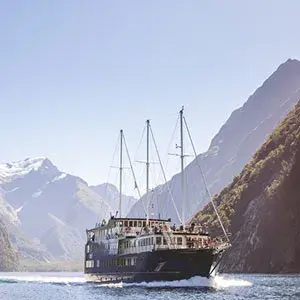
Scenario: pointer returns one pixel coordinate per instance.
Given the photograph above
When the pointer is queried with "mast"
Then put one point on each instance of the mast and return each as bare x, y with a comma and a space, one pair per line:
147, 169
121, 171
182, 169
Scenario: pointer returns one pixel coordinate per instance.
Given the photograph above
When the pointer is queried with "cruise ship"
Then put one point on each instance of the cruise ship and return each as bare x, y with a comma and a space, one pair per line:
147, 249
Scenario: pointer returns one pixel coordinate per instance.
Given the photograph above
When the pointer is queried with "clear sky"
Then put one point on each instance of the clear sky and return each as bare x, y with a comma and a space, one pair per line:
72, 73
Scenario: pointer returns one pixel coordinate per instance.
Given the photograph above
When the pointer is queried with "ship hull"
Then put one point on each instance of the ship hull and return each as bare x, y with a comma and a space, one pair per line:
160, 265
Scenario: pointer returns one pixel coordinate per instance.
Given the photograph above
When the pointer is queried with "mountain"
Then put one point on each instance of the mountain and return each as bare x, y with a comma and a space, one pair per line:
111, 194
261, 207
46, 211
239, 138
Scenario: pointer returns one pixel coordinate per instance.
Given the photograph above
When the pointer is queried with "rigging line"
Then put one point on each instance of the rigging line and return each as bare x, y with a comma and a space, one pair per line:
131, 168
169, 145
162, 169
113, 157
140, 142
110, 167
142, 198
204, 181
132, 171
135, 158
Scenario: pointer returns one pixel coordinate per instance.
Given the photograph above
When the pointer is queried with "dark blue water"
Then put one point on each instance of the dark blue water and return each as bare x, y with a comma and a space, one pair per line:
71, 286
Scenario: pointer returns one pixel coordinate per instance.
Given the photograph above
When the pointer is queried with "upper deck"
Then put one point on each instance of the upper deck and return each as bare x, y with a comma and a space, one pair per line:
122, 223
130, 235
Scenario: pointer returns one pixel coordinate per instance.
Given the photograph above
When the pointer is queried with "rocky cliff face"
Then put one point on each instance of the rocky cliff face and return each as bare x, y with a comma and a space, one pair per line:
239, 138
261, 207
8, 255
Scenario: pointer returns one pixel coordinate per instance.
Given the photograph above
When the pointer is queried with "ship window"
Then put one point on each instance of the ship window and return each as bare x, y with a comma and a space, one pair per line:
98, 263
152, 241
135, 224
158, 240
144, 223
139, 224
126, 223
179, 240
89, 264
130, 224
165, 242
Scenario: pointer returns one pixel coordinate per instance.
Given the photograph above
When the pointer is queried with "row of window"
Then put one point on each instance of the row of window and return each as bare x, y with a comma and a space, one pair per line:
141, 243
139, 223
117, 262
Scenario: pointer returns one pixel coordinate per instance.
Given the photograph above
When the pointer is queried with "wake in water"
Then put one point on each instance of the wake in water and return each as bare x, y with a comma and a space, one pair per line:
216, 282
42, 278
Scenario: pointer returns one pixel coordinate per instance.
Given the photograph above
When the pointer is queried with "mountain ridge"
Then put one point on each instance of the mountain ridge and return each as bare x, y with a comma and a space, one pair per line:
237, 140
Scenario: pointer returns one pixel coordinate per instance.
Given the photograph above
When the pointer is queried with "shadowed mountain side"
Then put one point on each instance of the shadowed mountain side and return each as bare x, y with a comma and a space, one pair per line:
261, 207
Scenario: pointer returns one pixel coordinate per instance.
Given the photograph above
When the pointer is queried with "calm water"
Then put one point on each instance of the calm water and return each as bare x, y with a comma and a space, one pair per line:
65, 286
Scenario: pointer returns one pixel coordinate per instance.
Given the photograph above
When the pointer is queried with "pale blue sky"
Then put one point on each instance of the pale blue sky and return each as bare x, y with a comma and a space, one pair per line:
74, 72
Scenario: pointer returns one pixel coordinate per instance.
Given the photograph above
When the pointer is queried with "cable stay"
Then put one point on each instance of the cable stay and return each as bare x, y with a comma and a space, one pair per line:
164, 176
204, 181
132, 171
123, 144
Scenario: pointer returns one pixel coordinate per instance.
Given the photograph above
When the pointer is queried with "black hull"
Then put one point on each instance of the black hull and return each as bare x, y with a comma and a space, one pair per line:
160, 265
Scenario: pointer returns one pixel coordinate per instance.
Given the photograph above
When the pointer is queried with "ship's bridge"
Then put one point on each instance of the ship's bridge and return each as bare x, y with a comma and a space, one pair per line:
126, 227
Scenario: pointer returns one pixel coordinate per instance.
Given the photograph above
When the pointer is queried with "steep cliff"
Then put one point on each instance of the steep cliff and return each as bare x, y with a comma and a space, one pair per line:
8, 255
261, 207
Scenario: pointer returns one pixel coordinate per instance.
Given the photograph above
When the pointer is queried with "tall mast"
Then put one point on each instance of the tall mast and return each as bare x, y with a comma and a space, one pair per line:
182, 169
121, 171
147, 169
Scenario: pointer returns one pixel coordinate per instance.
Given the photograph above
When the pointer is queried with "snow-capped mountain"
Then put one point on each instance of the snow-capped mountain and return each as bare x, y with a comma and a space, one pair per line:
18, 169
238, 139
52, 208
